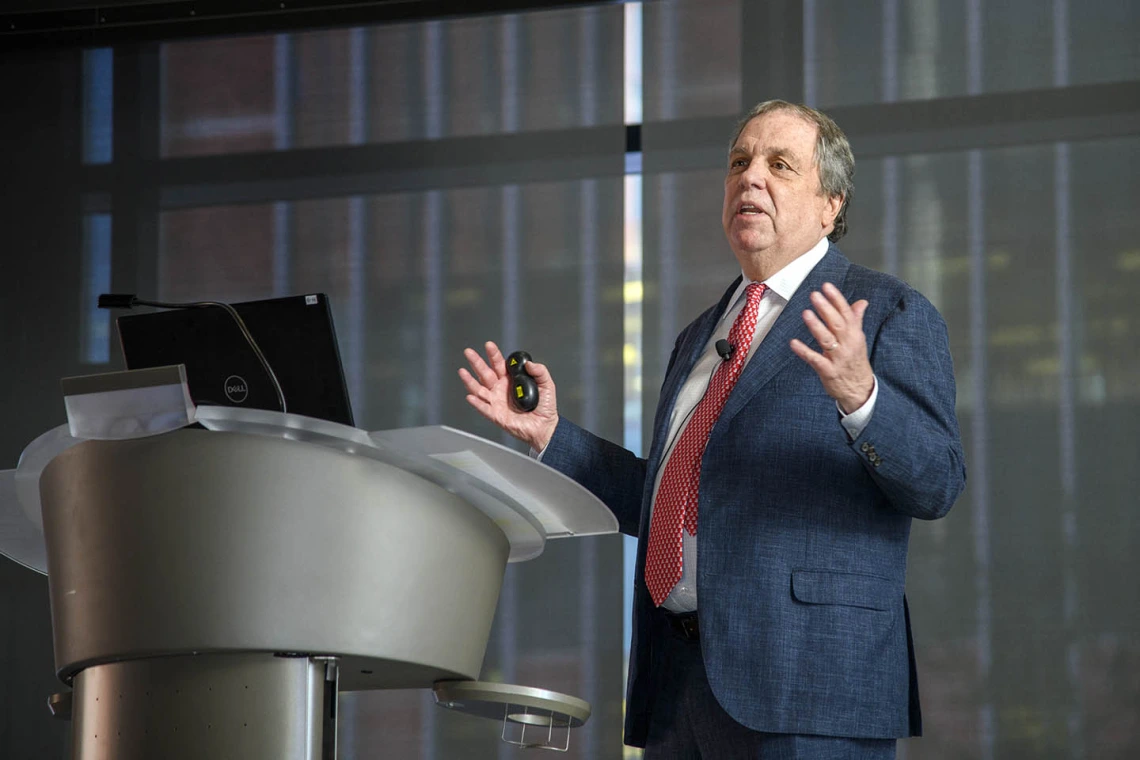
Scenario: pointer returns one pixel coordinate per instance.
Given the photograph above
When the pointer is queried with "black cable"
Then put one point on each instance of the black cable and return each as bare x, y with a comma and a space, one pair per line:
125, 301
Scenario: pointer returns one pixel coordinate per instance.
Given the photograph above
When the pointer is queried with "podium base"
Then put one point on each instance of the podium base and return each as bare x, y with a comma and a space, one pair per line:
220, 706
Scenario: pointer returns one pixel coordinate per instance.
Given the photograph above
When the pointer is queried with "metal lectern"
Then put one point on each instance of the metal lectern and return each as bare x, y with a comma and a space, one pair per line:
212, 590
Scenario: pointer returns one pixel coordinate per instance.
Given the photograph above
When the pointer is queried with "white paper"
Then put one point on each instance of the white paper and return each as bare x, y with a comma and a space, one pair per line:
129, 413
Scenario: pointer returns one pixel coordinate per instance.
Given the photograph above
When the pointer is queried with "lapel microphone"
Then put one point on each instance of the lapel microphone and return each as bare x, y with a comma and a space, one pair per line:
724, 349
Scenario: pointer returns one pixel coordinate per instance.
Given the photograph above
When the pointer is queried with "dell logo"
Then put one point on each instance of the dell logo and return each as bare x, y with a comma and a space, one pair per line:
236, 389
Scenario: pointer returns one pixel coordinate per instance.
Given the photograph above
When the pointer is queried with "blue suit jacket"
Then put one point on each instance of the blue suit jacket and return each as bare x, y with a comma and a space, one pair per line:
803, 534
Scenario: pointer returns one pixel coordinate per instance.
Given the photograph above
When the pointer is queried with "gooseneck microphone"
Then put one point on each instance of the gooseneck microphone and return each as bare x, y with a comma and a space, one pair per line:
724, 349
129, 300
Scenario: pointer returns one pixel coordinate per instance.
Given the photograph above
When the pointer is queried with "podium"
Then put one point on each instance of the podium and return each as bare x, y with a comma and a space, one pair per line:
213, 590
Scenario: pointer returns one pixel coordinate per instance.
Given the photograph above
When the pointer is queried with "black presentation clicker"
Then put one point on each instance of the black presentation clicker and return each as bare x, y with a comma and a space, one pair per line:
523, 389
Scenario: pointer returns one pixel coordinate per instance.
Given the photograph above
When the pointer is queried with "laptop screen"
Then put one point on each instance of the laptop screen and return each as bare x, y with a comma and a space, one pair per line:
295, 334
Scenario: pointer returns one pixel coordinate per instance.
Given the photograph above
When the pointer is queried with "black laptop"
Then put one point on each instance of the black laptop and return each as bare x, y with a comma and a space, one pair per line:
295, 334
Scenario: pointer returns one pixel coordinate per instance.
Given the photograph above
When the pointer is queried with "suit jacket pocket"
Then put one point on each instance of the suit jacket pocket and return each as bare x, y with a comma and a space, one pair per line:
846, 589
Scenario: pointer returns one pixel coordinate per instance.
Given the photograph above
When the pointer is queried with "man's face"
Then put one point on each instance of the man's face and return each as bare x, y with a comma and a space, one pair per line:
774, 208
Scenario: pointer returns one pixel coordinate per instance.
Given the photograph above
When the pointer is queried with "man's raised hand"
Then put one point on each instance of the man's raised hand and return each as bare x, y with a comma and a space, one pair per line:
842, 366
488, 387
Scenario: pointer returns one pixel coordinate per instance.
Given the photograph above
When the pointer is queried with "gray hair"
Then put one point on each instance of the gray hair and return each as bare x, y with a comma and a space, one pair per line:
832, 154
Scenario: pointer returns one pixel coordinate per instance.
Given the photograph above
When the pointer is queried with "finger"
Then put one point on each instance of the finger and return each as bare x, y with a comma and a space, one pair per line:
819, 331
539, 372
859, 308
485, 374
495, 356
482, 407
474, 387
827, 312
814, 359
838, 301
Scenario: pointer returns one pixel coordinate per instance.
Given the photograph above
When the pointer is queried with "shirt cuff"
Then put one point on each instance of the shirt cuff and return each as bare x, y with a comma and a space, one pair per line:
537, 455
856, 422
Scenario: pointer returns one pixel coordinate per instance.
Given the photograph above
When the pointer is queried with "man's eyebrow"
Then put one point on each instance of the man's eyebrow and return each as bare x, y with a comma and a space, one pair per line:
787, 153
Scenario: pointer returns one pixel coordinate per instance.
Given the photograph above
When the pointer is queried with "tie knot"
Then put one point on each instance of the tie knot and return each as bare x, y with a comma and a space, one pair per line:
755, 291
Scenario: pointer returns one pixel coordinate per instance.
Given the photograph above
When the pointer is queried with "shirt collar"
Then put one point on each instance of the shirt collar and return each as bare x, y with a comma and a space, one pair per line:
788, 280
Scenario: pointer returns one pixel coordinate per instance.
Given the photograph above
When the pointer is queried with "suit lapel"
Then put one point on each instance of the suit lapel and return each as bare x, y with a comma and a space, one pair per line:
774, 354
687, 355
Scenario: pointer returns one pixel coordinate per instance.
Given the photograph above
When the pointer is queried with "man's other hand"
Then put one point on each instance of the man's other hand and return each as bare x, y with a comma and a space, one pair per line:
842, 366
488, 387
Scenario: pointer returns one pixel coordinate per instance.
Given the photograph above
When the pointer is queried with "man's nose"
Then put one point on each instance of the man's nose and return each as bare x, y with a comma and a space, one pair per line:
755, 175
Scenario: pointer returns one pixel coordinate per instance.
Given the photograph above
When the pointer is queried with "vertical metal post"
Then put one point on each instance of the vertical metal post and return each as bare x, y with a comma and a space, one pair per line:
588, 377
890, 163
434, 81
283, 84
811, 86
183, 707
354, 345
1068, 372
509, 106
979, 477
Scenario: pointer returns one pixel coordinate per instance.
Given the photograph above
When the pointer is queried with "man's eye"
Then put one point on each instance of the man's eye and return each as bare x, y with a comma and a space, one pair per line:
780, 165
737, 163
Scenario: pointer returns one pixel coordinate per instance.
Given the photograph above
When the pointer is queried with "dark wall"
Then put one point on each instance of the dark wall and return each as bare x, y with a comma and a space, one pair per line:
27, 729
39, 189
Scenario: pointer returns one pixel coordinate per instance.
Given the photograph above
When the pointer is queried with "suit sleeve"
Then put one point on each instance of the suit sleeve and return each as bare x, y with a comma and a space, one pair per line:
613, 474
912, 447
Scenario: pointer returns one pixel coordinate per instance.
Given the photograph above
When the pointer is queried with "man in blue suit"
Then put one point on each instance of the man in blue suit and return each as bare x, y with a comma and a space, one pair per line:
804, 420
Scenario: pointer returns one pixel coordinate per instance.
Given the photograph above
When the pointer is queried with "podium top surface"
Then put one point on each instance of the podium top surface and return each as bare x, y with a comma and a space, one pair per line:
527, 500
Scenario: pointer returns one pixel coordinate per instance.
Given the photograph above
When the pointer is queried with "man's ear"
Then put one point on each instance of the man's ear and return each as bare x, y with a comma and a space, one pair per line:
831, 210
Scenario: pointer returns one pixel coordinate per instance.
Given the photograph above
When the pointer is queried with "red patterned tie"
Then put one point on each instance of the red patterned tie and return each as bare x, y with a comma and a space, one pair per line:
677, 496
